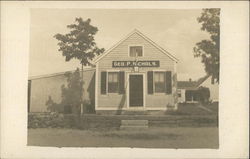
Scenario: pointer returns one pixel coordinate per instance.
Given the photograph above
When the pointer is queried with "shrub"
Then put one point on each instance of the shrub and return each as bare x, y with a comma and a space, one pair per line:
53, 120
203, 95
88, 107
54, 107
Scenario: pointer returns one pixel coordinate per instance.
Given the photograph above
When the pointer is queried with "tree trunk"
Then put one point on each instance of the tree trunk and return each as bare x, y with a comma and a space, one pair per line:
81, 108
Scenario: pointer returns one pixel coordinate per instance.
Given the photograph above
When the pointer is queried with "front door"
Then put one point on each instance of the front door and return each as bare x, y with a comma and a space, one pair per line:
136, 90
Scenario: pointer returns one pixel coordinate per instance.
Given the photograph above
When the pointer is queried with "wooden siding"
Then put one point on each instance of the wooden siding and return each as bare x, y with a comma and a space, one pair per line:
42, 88
120, 53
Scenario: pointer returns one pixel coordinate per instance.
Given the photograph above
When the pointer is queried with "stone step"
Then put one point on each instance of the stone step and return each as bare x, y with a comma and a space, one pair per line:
134, 127
134, 122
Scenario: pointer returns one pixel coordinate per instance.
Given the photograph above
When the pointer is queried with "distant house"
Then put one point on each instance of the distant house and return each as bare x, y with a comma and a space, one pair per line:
187, 90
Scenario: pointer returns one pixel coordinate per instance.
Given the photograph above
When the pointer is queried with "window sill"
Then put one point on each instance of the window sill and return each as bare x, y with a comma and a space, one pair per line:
160, 94
111, 94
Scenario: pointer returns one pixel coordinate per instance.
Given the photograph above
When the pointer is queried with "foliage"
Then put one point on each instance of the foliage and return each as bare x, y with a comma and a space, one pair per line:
71, 95
89, 107
204, 95
209, 50
79, 43
53, 120
54, 107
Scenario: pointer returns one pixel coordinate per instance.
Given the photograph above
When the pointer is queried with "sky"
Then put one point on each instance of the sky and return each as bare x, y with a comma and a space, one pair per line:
177, 31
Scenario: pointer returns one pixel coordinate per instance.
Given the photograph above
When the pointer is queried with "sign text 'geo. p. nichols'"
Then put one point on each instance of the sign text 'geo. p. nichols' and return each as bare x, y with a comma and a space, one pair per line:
136, 64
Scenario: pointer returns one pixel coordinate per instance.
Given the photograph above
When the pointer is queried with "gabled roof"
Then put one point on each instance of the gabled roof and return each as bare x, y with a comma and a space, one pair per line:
143, 36
186, 84
191, 85
202, 79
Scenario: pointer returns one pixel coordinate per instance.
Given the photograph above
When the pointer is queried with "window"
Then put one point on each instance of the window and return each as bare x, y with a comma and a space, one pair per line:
135, 51
113, 82
179, 93
159, 81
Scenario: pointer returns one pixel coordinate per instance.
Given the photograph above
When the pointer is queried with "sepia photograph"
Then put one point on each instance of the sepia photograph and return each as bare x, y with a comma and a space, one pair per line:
124, 79
144, 78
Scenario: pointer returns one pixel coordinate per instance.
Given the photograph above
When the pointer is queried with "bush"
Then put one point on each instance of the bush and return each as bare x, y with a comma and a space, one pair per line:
89, 107
54, 107
52, 120
203, 95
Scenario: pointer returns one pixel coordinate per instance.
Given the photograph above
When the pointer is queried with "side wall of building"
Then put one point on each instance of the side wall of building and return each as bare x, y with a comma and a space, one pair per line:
111, 101
214, 89
41, 89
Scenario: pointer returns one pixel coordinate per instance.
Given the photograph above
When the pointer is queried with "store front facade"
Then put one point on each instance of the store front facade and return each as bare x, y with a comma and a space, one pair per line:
135, 74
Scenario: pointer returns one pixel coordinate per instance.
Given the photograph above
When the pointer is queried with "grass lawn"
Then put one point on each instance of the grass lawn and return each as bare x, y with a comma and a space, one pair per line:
194, 109
154, 137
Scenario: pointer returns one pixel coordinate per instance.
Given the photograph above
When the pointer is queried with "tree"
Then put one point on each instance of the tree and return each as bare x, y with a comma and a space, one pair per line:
71, 95
209, 50
79, 44
53, 106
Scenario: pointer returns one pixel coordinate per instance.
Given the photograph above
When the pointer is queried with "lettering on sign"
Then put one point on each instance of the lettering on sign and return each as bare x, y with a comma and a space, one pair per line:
136, 64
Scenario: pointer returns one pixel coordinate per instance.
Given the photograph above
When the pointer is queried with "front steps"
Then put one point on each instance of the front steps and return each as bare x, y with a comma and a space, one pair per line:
134, 124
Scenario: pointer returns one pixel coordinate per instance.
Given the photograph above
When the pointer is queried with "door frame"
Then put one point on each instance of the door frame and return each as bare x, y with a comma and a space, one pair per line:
144, 90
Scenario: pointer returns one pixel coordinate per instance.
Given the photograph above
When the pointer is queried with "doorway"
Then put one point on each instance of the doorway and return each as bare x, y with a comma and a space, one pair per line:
136, 90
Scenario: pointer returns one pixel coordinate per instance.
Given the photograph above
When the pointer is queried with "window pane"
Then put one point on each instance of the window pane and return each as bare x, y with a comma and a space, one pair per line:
113, 87
113, 84
132, 53
139, 50
159, 87
156, 77
135, 50
159, 80
110, 77
115, 77
161, 77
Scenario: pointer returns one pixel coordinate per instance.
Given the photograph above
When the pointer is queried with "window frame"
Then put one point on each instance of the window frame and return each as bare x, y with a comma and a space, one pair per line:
134, 46
159, 71
107, 81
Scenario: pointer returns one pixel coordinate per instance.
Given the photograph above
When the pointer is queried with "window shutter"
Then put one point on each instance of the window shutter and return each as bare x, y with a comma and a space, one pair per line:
121, 82
168, 82
150, 82
103, 82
